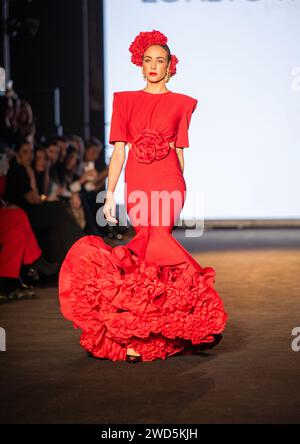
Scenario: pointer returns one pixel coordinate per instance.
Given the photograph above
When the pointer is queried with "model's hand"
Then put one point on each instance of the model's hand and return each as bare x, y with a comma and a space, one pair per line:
109, 208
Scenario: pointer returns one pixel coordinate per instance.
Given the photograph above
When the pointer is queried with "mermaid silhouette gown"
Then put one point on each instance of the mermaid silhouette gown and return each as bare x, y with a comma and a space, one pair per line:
150, 295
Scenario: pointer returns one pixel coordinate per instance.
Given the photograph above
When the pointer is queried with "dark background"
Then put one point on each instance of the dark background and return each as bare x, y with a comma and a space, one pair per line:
65, 52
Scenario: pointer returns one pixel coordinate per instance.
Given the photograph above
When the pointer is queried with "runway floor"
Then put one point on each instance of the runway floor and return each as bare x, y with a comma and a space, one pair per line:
252, 376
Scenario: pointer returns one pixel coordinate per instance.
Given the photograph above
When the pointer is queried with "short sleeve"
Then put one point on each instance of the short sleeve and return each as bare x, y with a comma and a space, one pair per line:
184, 123
118, 131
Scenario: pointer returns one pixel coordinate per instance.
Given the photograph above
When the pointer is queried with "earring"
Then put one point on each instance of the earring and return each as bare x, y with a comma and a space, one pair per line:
167, 77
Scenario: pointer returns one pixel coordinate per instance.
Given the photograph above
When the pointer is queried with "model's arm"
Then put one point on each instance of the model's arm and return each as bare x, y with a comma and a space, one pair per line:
179, 152
114, 170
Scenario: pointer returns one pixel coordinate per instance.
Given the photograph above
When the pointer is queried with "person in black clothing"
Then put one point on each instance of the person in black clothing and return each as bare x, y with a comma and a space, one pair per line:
54, 227
62, 143
41, 170
56, 170
92, 159
73, 183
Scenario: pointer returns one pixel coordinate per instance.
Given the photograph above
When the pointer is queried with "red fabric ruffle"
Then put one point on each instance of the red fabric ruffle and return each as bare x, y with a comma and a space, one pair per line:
120, 298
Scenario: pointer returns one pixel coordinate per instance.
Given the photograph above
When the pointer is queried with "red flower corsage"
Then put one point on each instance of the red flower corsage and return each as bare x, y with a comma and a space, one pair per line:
143, 41
150, 145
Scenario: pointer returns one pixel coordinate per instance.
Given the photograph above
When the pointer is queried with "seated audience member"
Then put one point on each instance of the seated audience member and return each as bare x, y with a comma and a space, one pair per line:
63, 143
73, 199
25, 121
18, 246
92, 155
99, 172
41, 167
56, 173
73, 184
78, 143
55, 228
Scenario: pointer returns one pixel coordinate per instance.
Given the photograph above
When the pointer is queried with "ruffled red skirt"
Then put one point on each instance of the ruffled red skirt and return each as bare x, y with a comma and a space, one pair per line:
150, 294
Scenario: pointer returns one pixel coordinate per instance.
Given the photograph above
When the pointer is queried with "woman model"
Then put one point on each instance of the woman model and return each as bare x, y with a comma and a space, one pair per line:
149, 299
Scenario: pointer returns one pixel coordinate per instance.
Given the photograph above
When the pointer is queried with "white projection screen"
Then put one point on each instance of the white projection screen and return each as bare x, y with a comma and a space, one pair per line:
241, 60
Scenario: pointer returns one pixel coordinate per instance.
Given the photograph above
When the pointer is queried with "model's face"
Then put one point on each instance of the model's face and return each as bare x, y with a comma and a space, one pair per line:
53, 153
155, 60
25, 154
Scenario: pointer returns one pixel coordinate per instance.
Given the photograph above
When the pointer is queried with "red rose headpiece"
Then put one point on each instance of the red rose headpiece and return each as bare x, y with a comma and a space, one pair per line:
143, 41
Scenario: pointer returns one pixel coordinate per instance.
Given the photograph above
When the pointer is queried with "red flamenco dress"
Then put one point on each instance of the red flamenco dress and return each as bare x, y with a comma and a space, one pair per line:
150, 295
